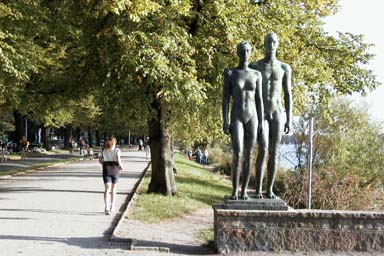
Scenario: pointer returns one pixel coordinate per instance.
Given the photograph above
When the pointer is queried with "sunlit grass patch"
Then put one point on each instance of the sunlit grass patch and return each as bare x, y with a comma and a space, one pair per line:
207, 234
196, 188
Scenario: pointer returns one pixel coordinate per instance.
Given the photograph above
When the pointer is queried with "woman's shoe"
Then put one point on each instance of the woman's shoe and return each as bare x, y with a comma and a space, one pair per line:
113, 208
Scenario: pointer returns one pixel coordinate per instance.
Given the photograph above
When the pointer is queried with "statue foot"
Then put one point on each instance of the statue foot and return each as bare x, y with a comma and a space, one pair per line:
271, 195
244, 196
259, 195
234, 196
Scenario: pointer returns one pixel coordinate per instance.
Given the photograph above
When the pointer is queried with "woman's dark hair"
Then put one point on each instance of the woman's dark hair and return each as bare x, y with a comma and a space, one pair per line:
110, 142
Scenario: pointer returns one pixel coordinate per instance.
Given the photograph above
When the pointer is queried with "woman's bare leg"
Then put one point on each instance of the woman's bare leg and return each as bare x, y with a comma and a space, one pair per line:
113, 196
107, 197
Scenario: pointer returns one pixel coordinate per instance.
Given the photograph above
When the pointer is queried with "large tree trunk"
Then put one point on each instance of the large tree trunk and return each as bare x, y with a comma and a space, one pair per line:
162, 179
97, 138
77, 134
19, 126
67, 136
90, 137
47, 138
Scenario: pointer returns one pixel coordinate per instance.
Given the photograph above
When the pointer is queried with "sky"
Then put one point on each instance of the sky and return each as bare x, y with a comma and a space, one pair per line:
364, 17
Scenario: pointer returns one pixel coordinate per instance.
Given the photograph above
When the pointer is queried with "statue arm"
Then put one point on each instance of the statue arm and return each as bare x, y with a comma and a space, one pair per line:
226, 97
259, 102
287, 86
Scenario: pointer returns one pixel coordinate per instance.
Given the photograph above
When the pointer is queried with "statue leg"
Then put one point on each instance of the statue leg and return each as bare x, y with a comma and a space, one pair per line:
237, 147
260, 161
276, 132
249, 143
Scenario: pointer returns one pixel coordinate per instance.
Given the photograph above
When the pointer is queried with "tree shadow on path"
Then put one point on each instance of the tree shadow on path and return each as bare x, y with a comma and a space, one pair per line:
82, 242
173, 248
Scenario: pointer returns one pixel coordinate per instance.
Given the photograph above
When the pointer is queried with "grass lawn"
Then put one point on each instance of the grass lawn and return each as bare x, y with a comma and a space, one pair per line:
197, 188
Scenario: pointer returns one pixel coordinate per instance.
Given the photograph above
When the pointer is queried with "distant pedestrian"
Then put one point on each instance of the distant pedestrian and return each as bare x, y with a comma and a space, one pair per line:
83, 146
71, 146
24, 147
89, 152
3, 142
140, 144
111, 160
146, 147
198, 155
205, 157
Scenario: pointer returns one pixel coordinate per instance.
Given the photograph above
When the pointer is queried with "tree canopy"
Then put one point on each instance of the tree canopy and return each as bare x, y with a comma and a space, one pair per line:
180, 46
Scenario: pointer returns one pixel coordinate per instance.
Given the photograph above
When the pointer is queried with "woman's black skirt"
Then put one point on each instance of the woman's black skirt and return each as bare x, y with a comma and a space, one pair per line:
111, 168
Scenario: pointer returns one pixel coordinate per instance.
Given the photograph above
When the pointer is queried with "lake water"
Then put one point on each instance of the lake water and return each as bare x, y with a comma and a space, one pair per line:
287, 156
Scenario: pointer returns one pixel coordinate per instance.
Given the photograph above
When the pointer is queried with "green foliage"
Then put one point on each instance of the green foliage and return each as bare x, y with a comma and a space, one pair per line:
208, 235
21, 48
197, 188
42, 54
349, 141
176, 51
6, 122
154, 60
222, 158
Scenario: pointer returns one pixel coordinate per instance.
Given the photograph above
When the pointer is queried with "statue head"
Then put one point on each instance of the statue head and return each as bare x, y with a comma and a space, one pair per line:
271, 42
244, 50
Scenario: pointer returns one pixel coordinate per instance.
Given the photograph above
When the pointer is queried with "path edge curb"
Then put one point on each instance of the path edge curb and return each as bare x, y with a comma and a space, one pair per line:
131, 197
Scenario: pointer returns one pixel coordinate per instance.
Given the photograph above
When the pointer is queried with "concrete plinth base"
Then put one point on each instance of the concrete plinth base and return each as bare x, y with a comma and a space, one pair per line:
297, 230
255, 204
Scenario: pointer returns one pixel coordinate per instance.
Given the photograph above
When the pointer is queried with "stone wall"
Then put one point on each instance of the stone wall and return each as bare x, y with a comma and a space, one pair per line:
297, 230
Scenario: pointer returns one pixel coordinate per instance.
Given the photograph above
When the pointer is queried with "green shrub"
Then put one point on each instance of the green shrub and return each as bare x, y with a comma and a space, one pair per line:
221, 159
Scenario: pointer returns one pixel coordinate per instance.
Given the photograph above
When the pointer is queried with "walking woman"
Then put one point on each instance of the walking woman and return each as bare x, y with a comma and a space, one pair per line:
111, 160
24, 147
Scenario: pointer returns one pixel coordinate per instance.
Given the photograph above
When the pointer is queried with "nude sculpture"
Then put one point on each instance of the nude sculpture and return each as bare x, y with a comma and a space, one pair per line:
243, 84
276, 77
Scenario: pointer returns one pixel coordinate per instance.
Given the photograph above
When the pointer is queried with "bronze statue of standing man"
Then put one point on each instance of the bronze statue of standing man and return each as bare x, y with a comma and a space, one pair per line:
276, 77
243, 84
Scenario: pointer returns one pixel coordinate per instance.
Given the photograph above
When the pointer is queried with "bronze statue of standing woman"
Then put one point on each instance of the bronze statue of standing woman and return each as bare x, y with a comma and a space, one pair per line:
276, 78
243, 84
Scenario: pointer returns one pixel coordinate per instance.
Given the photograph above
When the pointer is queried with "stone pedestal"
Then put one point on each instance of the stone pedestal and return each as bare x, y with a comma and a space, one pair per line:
255, 204
241, 230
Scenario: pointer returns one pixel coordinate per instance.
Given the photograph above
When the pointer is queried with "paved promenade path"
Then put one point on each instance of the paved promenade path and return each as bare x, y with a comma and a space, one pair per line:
60, 210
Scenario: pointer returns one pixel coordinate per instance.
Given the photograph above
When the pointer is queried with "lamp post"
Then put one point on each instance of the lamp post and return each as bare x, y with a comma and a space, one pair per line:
129, 138
310, 158
26, 128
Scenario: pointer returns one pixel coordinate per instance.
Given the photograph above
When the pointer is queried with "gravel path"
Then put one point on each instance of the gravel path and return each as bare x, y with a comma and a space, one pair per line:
180, 236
